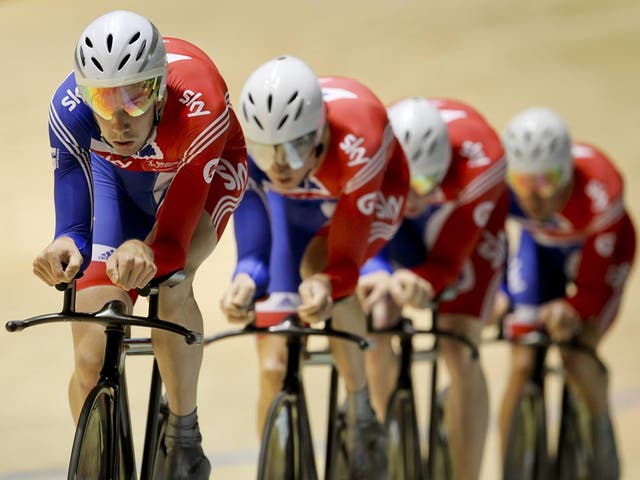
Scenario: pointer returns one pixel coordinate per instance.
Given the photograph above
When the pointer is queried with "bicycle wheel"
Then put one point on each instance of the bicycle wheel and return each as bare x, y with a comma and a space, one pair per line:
526, 454
440, 467
159, 453
573, 458
403, 444
279, 457
338, 467
94, 444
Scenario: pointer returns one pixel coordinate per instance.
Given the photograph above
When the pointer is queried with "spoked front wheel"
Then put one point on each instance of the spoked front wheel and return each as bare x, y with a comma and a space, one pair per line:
281, 451
403, 444
574, 453
94, 445
439, 465
526, 450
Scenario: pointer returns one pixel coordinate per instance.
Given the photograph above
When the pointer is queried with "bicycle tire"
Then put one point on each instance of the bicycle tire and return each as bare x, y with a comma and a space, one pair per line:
278, 458
440, 465
160, 453
403, 445
338, 469
573, 458
526, 455
94, 443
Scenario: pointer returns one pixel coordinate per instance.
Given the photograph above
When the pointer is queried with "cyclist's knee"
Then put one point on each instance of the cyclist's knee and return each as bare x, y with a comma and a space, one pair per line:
88, 363
272, 373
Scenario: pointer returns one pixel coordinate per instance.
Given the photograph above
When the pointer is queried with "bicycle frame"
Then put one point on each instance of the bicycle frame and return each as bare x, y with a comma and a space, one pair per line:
112, 382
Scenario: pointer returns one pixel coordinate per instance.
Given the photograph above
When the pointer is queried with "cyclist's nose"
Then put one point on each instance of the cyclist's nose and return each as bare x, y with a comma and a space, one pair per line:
121, 121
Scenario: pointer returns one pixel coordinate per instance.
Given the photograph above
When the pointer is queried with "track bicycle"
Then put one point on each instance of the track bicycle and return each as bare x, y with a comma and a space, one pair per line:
406, 459
286, 451
527, 455
103, 444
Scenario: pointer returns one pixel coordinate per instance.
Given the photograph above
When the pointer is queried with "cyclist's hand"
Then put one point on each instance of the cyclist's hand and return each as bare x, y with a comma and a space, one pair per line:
560, 319
59, 262
237, 302
373, 293
131, 265
372, 288
315, 293
407, 288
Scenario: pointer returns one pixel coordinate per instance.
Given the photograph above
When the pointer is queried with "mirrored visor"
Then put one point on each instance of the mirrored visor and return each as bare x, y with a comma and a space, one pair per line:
294, 153
135, 99
543, 184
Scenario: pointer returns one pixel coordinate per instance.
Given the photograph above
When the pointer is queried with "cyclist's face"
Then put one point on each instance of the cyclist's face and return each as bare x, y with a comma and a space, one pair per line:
417, 203
542, 207
285, 178
126, 134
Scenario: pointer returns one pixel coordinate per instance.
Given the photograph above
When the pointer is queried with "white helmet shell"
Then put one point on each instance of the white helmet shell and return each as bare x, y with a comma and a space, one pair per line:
281, 101
120, 48
537, 141
423, 135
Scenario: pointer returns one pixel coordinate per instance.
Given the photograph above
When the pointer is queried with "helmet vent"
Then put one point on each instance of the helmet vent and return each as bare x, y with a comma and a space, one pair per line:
282, 122
407, 136
293, 97
135, 37
109, 43
416, 155
124, 61
82, 59
269, 103
427, 133
553, 145
244, 111
141, 51
299, 112
87, 42
432, 147
251, 100
255, 119
97, 64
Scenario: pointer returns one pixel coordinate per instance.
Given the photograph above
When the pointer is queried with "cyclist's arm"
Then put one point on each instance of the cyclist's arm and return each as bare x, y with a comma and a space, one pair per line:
458, 236
184, 201
70, 126
595, 280
253, 234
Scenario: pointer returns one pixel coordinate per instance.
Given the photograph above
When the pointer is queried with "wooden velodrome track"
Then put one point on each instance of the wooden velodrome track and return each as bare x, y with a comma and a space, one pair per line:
577, 56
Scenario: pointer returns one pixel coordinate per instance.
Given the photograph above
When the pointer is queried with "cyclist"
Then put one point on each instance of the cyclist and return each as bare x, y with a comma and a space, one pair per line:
452, 237
149, 162
327, 189
576, 248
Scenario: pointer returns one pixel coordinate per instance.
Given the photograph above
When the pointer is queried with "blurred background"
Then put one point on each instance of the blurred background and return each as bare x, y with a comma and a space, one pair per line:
576, 56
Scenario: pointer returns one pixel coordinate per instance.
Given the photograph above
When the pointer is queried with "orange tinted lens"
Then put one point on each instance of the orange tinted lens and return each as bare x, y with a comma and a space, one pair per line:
543, 184
135, 99
423, 184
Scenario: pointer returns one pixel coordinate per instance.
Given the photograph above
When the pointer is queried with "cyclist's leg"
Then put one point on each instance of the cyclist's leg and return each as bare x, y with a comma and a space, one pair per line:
293, 223
522, 364
365, 435
116, 218
467, 404
535, 275
382, 366
179, 363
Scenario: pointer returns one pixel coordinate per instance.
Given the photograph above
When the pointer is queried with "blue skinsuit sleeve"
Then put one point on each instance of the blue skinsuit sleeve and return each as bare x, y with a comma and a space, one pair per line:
70, 124
253, 234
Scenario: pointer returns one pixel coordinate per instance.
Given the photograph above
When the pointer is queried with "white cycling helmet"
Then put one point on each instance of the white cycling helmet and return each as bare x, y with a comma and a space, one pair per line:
423, 135
537, 141
281, 101
120, 48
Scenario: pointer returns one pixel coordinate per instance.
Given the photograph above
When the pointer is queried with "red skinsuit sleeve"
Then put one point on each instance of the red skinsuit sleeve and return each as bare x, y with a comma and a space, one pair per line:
593, 285
479, 168
457, 239
364, 158
184, 202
